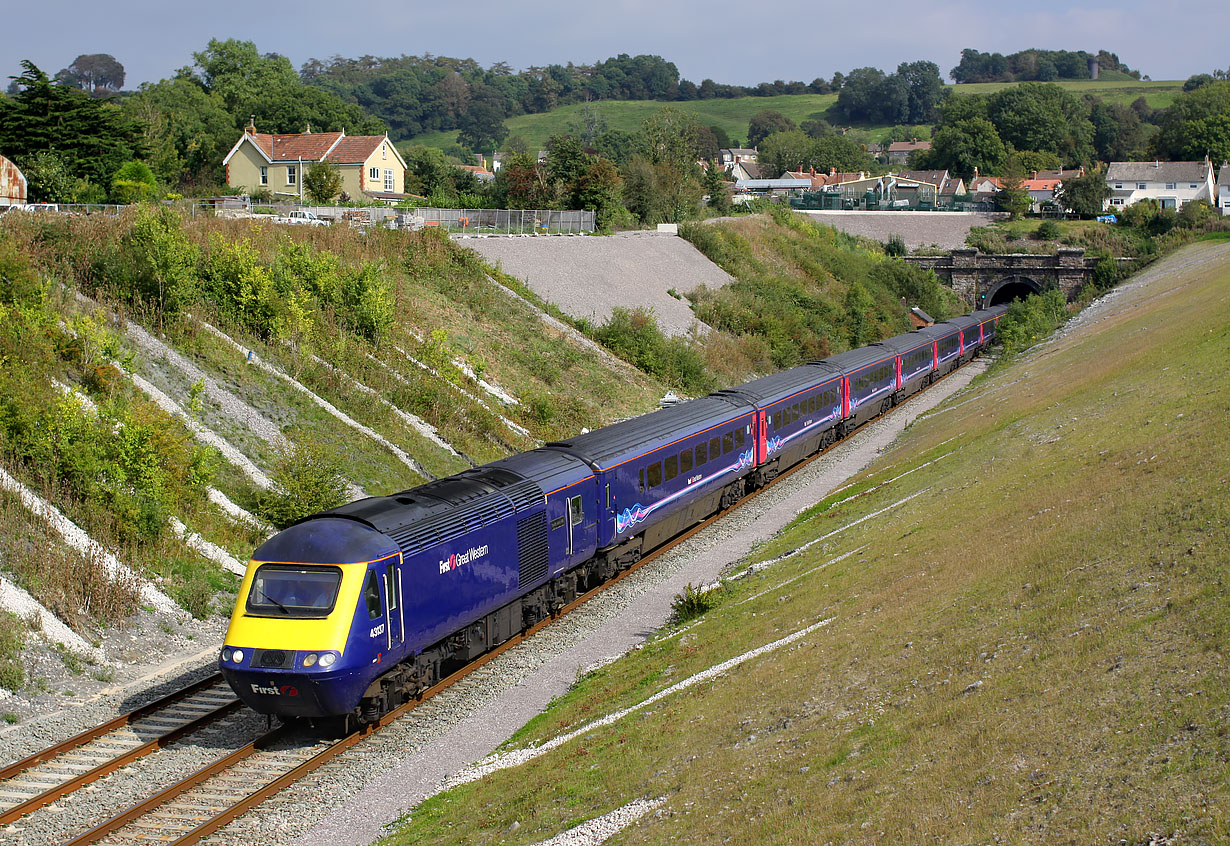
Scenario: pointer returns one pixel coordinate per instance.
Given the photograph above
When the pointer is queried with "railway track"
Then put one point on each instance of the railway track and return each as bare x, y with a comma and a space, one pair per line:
219, 792
59, 770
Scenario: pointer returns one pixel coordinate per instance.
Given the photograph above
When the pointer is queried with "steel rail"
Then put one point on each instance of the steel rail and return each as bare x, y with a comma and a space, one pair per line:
51, 754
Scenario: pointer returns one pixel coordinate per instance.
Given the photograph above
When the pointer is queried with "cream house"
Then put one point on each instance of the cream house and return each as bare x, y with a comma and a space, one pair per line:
370, 166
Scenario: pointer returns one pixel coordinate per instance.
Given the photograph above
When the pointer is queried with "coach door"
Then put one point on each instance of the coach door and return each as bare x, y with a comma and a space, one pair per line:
395, 613
762, 445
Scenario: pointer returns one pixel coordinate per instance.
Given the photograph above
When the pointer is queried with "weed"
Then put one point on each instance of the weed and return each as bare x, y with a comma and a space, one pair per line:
71, 660
12, 639
103, 674
11, 718
693, 602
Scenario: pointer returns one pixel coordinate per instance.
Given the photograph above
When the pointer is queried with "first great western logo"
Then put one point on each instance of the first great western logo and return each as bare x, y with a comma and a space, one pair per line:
458, 559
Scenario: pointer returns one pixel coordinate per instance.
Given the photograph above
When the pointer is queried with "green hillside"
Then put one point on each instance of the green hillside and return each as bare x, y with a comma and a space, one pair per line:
1040, 659
732, 115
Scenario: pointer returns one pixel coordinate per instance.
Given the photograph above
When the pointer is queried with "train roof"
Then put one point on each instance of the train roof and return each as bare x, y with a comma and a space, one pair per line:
550, 469
984, 314
857, 359
778, 386
904, 343
611, 445
444, 509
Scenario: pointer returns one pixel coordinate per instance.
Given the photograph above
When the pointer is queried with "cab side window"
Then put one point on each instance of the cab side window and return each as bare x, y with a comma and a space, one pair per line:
371, 595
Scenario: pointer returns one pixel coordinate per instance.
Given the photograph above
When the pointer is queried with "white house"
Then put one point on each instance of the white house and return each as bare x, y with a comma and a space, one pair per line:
1172, 184
1223, 189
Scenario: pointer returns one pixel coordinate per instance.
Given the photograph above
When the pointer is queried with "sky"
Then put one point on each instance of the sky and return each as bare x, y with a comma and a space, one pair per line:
737, 43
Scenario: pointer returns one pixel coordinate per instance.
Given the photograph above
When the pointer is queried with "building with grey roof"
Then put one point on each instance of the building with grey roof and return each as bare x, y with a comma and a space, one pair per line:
1172, 184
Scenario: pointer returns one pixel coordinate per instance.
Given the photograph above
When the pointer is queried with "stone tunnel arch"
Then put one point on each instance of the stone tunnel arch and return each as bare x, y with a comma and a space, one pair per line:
1012, 288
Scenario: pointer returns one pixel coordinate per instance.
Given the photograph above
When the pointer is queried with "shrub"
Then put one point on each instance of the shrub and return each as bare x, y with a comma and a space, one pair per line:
12, 639
634, 336
156, 262
895, 246
693, 602
306, 479
274, 306
1031, 320
1048, 230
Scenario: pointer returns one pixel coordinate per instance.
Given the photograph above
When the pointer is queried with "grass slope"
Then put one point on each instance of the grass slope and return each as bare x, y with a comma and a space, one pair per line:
1040, 657
733, 115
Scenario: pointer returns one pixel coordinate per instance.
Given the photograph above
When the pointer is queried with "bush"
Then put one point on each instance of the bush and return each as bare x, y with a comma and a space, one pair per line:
306, 479
1031, 320
895, 246
693, 602
633, 335
12, 639
1048, 230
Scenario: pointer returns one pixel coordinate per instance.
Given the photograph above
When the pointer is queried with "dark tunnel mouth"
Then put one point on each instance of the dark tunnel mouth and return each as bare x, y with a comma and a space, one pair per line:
1011, 289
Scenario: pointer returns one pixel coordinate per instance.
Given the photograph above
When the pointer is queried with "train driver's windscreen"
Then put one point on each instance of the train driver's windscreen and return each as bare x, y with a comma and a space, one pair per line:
294, 590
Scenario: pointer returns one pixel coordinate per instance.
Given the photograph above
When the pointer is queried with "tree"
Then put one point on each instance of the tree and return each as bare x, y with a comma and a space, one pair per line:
48, 179
764, 123
134, 182
95, 73
1013, 198
482, 127
92, 137
1084, 195
715, 186
925, 86
1196, 124
186, 128
963, 146
322, 182
1043, 117
796, 151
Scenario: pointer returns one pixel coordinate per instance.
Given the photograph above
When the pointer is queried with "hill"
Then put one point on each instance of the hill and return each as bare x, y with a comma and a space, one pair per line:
732, 115
1011, 627
169, 389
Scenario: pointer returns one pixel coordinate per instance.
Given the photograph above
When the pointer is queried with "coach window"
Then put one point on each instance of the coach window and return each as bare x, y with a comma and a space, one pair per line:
728, 443
654, 474
794, 413
672, 467
715, 449
739, 435
641, 479
371, 595
702, 454
685, 461
811, 404
574, 510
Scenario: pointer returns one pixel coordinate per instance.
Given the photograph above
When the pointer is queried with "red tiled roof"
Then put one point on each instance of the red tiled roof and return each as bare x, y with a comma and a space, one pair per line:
309, 146
355, 148
312, 146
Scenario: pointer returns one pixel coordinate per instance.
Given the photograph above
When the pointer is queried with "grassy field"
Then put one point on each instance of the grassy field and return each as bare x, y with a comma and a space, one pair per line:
1028, 645
733, 115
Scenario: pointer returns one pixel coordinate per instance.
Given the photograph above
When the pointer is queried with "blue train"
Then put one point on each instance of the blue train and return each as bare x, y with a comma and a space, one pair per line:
353, 611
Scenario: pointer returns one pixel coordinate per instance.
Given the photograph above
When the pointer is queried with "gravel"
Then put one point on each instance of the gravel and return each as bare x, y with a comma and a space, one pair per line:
629, 269
946, 230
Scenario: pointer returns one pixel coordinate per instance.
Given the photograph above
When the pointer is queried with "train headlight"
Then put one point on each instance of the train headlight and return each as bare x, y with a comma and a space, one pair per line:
328, 659
226, 654
237, 655
309, 660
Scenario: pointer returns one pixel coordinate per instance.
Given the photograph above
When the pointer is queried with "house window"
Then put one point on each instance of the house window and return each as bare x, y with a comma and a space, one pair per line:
1170, 186
388, 180
1140, 186
264, 175
290, 175
373, 173
1116, 202
1193, 185
1118, 184
384, 151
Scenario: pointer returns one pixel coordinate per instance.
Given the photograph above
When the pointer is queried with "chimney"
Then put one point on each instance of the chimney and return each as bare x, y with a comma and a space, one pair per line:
1035, 174
975, 171
252, 124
